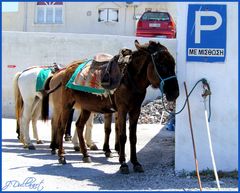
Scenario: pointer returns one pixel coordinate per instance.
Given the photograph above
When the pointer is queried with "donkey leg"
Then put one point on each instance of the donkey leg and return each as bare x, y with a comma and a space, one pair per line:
35, 115
25, 121
61, 157
122, 113
133, 119
88, 133
117, 148
18, 129
62, 126
75, 141
80, 126
107, 129
21, 129
68, 136
54, 144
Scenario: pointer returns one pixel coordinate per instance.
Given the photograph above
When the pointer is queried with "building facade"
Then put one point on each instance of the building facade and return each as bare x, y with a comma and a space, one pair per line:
114, 18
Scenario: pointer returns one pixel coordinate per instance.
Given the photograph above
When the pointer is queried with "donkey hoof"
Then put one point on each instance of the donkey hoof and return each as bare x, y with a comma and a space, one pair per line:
93, 147
108, 154
68, 137
76, 148
124, 169
53, 152
40, 142
87, 159
138, 168
117, 148
31, 147
62, 160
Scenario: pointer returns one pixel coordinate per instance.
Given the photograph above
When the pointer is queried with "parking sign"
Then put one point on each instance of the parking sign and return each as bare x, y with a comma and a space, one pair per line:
206, 33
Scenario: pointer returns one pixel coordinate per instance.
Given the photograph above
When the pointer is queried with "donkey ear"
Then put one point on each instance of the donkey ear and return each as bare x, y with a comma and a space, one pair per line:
138, 45
143, 47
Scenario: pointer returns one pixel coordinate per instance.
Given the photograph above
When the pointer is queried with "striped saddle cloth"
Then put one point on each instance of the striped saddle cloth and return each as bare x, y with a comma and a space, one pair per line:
87, 76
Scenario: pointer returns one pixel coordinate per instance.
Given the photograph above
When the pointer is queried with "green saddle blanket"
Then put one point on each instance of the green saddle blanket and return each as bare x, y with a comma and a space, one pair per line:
42, 77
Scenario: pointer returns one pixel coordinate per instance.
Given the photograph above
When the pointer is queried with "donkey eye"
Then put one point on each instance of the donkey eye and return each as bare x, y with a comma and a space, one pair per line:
163, 69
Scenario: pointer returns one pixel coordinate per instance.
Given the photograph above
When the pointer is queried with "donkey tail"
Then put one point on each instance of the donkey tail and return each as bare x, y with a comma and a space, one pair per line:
18, 98
45, 98
45, 101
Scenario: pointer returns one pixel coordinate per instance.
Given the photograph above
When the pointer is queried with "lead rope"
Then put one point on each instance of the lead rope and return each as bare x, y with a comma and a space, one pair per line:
203, 80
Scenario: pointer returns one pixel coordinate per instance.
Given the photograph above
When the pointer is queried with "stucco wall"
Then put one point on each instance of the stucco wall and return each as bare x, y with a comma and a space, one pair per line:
13, 21
223, 79
25, 49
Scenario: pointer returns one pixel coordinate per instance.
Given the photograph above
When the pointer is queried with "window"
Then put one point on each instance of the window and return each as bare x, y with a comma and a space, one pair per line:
108, 15
49, 13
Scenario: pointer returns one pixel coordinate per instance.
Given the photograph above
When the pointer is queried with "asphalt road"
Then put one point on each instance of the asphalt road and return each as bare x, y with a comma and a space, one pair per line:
32, 170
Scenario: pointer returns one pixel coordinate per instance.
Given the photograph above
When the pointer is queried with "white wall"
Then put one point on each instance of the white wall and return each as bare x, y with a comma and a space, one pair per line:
25, 49
223, 78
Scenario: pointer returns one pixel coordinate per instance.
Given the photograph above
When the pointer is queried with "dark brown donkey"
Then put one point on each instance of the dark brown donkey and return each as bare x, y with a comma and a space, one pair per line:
151, 64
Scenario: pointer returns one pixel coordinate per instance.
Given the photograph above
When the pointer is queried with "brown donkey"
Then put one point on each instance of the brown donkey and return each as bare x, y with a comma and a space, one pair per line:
151, 64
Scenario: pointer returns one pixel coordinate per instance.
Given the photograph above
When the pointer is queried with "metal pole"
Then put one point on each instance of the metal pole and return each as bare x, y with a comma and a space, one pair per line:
193, 142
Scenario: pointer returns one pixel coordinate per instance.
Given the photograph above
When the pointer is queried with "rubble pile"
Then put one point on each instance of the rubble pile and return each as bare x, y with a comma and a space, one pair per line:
152, 112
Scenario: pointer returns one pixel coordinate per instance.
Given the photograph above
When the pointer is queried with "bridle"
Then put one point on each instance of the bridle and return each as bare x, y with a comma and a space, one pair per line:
162, 80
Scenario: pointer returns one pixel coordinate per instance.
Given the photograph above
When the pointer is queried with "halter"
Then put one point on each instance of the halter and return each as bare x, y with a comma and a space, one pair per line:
162, 80
203, 80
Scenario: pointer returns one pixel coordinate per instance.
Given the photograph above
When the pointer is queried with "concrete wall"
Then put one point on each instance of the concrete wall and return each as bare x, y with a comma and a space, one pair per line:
25, 49
223, 78
14, 21
75, 19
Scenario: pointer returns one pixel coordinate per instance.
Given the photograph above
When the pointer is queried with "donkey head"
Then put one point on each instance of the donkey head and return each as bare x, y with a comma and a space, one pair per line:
161, 68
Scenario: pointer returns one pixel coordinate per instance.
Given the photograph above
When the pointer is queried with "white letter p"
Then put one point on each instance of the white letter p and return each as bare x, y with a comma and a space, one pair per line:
199, 27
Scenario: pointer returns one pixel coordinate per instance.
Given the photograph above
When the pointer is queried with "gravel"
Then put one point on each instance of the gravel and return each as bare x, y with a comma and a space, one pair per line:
152, 111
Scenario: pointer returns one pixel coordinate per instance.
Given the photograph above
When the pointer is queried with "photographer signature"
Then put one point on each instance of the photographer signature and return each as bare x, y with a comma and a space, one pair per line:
29, 182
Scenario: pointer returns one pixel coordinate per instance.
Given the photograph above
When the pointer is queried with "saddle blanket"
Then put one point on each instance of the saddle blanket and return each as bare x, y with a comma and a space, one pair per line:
86, 79
42, 77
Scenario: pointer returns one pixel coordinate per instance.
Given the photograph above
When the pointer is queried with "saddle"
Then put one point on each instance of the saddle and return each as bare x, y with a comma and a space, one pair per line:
56, 67
110, 72
102, 75
112, 67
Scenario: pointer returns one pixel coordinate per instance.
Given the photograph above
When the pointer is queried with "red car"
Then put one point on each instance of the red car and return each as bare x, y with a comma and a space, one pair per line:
156, 24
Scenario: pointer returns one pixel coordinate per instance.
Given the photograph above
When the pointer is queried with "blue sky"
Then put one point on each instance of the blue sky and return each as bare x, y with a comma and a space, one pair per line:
9, 6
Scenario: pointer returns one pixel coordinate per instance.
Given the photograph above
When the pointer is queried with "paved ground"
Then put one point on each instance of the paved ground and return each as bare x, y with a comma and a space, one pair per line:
38, 170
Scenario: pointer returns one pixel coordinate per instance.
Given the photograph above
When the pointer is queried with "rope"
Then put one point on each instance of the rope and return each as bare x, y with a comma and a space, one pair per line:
204, 81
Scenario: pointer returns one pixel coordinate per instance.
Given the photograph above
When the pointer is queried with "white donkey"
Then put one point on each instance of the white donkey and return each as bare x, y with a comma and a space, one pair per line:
28, 108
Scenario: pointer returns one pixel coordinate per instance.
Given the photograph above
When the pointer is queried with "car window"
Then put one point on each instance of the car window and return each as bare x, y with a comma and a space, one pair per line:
155, 16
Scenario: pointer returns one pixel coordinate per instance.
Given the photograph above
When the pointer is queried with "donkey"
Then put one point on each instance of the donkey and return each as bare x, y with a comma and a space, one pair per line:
151, 64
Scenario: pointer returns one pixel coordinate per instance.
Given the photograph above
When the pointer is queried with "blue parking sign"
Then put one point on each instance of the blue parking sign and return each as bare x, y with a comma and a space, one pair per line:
206, 33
